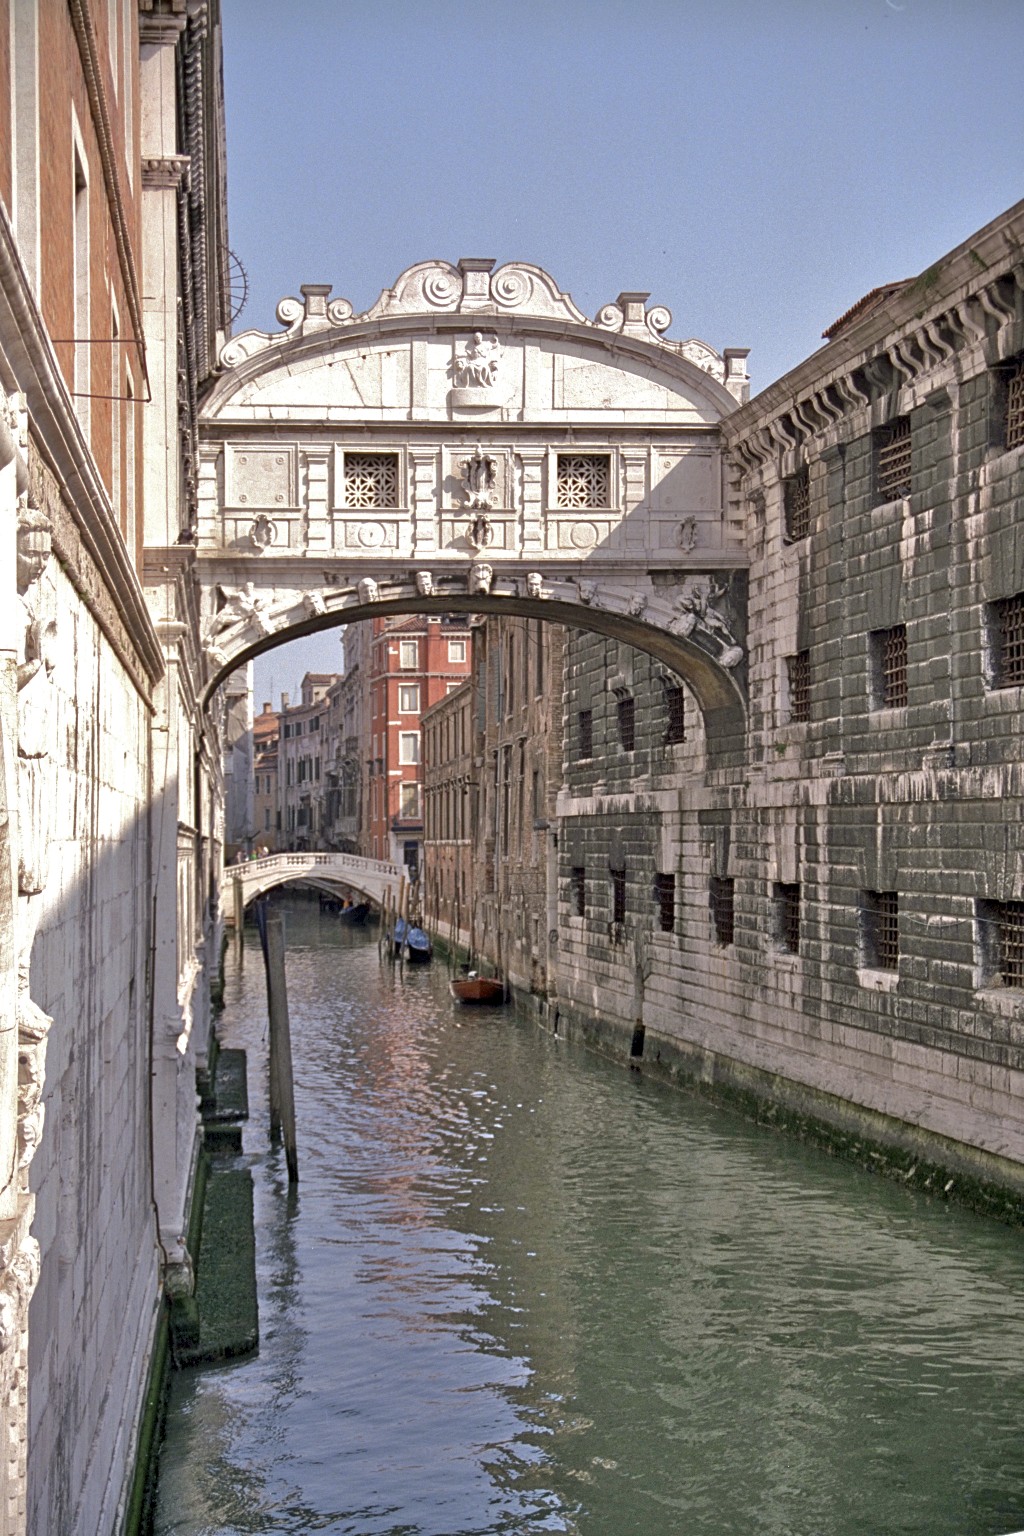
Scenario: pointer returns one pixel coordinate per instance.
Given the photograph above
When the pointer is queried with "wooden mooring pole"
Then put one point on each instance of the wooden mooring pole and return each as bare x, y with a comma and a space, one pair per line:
282, 1087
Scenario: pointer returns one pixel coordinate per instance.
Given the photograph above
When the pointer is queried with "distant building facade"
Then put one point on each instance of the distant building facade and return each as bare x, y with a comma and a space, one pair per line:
266, 729
413, 663
302, 756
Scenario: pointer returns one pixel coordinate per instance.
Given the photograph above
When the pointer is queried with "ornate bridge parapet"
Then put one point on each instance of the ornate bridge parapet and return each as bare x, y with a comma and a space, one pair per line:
369, 877
473, 443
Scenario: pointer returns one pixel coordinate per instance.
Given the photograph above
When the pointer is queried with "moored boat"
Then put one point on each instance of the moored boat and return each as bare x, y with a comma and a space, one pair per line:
472, 988
416, 943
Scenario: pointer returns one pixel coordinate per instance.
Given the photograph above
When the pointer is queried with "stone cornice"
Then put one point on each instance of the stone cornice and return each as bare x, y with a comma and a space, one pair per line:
59, 441
165, 172
968, 299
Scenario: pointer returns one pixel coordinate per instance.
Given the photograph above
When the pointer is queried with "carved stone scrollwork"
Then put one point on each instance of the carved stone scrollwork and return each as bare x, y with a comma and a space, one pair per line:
262, 534
313, 604
36, 801
242, 606
697, 616
479, 476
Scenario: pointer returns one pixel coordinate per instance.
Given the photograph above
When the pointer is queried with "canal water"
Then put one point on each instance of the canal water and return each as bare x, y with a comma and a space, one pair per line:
520, 1289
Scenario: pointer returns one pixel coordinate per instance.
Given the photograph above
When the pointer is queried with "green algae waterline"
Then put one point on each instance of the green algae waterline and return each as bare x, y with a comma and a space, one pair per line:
521, 1290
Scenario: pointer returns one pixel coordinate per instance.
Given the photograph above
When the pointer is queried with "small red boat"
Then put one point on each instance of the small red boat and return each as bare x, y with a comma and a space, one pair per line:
477, 989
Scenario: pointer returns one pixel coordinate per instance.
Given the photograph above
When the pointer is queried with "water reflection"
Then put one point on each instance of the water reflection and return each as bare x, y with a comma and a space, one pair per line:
522, 1290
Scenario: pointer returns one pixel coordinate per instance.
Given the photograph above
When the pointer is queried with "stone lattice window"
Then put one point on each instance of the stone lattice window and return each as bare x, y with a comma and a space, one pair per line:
798, 673
889, 663
665, 900
1001, 925
880, 928
584, 480
787, 916
1014, 423
796, 496
618, 895
371, 479
892, 460
586, 733
720, 895
675, 706
625, 710
1007, 627
578, 888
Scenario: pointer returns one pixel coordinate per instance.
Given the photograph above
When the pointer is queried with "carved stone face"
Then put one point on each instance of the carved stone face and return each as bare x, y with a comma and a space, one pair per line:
424, 583
534, 584
367, 590
588, 591
637, 604
34, 546
480, 578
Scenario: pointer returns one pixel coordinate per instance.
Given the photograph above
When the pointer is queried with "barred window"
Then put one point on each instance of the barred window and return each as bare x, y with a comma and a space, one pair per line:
1001, 930
665, 901
578, 887
892, 460
586, 733
798, 673
796, 498
787, 916
1014, 420
625, 710
1006, 624
371, 479
720, 893
880, 930
584, 480
675, 725
618, 895
889, 667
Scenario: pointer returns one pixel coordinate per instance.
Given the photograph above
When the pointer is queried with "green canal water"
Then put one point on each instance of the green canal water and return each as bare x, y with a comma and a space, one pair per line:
522, 1290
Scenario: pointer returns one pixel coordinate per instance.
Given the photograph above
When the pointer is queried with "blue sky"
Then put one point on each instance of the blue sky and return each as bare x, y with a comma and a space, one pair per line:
757, 165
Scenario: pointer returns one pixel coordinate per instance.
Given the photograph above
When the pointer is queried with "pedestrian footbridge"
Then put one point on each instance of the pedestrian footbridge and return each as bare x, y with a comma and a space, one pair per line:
337, 873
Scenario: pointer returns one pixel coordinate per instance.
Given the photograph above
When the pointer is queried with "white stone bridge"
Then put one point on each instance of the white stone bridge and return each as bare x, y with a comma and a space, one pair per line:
472, 443
332, 872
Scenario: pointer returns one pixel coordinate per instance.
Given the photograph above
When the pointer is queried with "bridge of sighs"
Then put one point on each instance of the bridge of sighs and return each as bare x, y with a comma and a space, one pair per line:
473, 443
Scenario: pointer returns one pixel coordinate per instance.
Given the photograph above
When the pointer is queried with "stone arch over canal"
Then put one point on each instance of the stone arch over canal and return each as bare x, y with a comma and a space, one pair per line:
472, 443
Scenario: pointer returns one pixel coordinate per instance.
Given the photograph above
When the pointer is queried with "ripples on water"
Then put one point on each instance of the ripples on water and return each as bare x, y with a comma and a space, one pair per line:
521, 1290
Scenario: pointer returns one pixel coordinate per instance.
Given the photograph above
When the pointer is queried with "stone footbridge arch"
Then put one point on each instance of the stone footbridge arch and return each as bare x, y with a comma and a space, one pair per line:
333, 872
472, 443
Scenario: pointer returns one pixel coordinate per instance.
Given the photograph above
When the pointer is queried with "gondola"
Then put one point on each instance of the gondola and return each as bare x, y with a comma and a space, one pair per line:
355, 914
418, 948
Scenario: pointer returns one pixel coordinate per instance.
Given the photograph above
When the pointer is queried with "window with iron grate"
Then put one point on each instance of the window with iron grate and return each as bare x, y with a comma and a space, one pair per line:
625, 711
578, 889
665, 901
675, 707
585, 722
618, 895
1001, 933
880, 930
371, 479
1006, 628
798, 676
583, 480
796, 499
1013, 422
787, 916
892, 460
888, 649
720, 895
